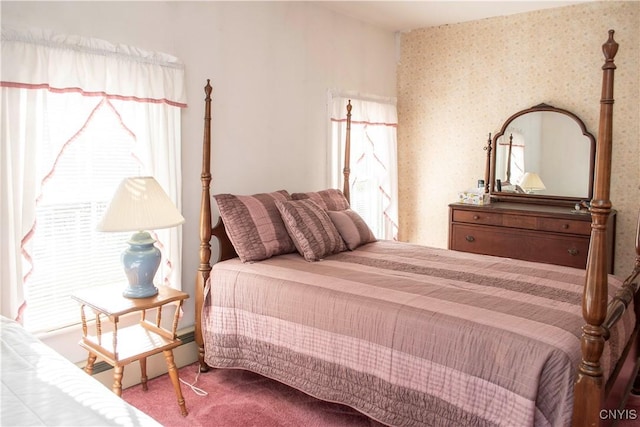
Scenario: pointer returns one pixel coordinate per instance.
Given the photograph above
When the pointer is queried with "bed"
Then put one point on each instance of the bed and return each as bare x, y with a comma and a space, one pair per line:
411, 335
42, 388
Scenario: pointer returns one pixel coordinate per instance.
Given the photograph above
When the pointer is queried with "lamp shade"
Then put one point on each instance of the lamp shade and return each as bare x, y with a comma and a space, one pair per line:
531, 181
140, 203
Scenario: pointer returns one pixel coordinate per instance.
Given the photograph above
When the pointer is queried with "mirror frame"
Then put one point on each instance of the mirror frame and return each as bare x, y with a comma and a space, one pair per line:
539, 198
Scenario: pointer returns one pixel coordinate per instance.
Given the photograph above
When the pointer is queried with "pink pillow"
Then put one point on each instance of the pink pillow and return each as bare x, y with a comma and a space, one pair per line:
311, 229
354, 231
329, 199
254, 224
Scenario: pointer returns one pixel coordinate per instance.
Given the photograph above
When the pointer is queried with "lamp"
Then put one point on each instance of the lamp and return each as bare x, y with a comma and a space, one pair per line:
531, 182
140, 204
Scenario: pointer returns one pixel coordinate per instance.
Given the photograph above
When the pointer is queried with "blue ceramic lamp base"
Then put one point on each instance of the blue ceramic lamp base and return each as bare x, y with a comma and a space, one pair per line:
141, 261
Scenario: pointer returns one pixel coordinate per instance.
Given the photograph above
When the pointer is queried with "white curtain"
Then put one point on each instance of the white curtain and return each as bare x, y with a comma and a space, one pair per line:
145, 88
373, 181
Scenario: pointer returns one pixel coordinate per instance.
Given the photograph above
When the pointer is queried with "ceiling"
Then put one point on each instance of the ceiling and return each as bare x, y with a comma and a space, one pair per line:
410, 15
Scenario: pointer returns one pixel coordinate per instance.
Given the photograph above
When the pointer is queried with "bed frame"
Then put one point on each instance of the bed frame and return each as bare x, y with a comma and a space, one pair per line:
591, 394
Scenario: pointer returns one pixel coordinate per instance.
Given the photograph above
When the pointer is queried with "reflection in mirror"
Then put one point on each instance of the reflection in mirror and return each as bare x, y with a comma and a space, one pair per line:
544, 151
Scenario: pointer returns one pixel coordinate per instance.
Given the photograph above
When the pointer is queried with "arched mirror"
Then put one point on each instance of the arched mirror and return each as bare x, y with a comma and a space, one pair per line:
544, 155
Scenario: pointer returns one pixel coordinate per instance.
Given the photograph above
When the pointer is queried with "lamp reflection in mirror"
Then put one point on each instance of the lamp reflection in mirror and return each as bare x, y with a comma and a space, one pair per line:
531, 182
140, 204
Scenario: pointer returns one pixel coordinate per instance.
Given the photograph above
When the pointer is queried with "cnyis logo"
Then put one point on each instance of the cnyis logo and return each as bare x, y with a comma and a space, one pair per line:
619, 414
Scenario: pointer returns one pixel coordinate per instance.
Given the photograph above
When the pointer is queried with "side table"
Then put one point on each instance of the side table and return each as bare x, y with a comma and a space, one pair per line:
137, 342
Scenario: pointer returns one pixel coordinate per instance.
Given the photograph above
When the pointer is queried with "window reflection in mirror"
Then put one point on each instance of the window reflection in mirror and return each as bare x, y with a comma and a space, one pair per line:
550, 144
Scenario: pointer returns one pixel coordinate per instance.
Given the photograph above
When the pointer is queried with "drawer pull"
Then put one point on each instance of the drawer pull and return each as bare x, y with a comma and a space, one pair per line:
476, 217
573, 251
565, 226
469, 238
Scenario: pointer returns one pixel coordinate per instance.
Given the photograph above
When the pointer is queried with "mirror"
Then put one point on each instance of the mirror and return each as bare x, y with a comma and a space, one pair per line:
542, 154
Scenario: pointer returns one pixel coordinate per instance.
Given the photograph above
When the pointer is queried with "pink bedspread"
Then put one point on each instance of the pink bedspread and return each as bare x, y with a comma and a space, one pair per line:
409, 335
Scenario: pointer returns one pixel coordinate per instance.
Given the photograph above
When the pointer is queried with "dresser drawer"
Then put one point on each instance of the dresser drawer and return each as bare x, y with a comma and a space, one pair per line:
521, 244
486, 217
523, 220
476, 217
560, 225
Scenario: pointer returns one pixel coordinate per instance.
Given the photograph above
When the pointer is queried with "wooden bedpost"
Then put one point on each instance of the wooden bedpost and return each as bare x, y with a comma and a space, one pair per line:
487, 166
633, 277
205, 227
347, 156
589, 385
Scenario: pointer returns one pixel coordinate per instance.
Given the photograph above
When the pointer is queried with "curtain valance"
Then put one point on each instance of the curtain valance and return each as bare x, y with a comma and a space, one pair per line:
92, 66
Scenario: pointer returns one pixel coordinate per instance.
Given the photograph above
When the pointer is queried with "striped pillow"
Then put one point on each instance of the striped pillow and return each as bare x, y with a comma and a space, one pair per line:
254, 224
354, 231
329, 199
311, 229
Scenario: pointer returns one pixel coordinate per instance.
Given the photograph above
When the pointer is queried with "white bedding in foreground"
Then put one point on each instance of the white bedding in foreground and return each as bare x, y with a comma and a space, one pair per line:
42, 388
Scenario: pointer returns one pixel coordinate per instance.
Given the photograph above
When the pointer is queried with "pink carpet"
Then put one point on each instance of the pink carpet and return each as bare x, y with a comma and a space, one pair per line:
238, 398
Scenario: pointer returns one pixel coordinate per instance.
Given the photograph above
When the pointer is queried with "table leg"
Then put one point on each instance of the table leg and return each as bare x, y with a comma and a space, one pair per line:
143, 373
118, 371
88, 368
173, 374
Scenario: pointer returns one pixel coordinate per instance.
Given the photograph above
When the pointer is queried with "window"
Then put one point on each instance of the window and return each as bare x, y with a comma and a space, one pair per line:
67, 252
66, 145
373, 176
513, 160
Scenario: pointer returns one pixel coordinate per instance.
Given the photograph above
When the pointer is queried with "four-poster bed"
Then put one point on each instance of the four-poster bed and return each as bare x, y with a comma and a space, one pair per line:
406, 334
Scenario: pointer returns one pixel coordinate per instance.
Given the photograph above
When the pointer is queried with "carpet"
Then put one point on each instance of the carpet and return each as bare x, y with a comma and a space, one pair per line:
238, 398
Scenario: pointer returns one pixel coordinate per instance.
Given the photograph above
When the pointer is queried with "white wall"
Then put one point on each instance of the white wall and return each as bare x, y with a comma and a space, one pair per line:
270, 64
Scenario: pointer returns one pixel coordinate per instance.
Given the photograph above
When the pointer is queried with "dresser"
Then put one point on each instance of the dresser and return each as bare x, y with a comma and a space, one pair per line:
548, 234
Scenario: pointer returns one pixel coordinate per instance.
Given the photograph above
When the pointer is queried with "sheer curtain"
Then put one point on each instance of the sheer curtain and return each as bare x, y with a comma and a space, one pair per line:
374, 167
54, 88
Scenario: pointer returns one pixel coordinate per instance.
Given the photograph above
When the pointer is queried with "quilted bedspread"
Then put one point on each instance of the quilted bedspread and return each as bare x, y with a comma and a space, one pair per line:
409, 335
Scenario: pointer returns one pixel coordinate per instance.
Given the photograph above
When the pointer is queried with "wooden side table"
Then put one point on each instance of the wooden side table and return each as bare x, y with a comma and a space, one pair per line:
123, 346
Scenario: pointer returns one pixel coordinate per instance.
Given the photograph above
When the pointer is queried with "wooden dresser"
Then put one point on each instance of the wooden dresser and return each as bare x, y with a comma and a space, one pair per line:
549, 234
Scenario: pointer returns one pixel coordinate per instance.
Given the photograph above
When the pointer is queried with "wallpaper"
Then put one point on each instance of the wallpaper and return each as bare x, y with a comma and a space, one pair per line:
458, 83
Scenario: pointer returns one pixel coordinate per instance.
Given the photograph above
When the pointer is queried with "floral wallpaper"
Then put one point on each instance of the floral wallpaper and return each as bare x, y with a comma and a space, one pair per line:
458, 83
